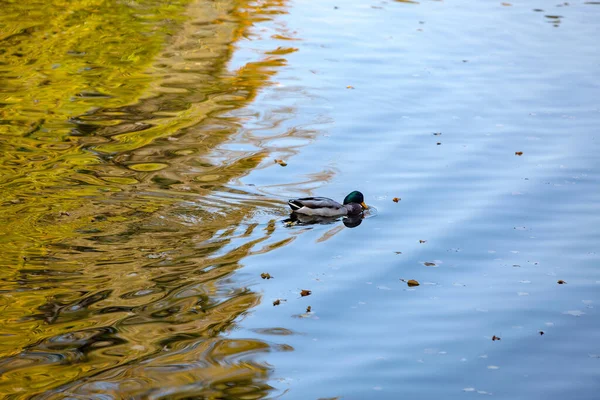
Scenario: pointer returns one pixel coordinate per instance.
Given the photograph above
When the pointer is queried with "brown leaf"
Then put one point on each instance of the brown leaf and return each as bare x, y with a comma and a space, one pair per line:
281, 162
308, 309
494, 338
265, 275
305, 292
277, 302
518, 153
396, 199
506, 4
561, 282
422, 241
412, 283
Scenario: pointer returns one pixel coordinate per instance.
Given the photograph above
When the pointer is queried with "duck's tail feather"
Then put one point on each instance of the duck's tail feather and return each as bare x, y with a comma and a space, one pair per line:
295, 205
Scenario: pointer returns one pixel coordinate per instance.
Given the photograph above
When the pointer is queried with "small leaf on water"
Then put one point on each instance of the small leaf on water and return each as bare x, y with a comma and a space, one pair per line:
277, 302
561, 282
506, 4
396, 199
265, 275
422, 241
494, 338
349, 87
281, 162
308, 309
518, 153
305, 292
412, 283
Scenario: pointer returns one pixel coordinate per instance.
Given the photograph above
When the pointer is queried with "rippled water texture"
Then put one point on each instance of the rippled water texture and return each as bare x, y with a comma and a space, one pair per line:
140, 201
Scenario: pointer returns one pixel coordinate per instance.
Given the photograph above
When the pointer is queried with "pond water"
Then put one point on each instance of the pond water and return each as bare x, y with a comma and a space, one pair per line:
141, 200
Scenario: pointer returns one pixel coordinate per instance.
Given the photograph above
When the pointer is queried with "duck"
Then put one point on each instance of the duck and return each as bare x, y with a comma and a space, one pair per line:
354, 204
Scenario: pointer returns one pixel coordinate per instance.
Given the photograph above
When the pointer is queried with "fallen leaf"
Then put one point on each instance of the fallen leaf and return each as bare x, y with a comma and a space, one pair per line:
308, 309
518, 153
412, 283
541, 333
281, 162
349, 87
506, 4
494, 338
265, 275
277, 302
396, 199
305, 292
422, 241
561, 282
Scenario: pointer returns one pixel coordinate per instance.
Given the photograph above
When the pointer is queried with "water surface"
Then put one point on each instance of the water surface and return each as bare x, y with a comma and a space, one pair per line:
141, 201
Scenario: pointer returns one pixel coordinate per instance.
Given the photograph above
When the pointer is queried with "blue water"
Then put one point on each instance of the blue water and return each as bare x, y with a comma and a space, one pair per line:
502, 229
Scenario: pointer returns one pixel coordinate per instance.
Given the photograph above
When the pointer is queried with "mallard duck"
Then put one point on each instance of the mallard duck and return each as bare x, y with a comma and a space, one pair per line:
354, 204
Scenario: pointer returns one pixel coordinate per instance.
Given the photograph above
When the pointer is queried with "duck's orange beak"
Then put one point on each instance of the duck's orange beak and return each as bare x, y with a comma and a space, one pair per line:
364, 206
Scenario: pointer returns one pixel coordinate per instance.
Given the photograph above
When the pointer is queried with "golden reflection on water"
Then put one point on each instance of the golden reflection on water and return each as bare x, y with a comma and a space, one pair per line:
119, 229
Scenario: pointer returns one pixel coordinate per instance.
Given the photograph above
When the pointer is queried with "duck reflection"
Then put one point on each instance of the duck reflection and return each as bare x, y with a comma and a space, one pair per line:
350, 221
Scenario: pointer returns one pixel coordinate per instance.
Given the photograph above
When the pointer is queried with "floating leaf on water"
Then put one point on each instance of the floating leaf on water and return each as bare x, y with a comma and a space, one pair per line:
277, 302
506, 4
349, 87
396, 199
281, 162
265, 275
494, 338
305, 292
308, 309
518, 153
412, 283
561, 282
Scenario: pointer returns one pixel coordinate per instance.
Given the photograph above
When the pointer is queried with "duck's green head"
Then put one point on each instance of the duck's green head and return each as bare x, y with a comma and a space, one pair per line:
356, 197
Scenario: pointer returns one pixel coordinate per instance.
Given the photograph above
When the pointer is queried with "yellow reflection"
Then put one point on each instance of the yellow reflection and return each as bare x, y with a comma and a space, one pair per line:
119, 226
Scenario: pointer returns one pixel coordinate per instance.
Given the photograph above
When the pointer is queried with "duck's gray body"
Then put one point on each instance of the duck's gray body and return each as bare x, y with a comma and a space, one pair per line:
324, 207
